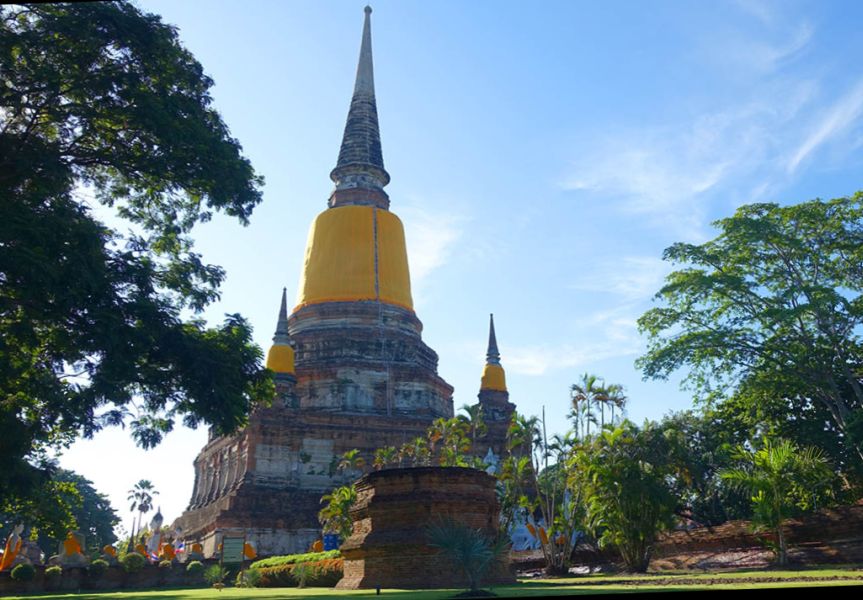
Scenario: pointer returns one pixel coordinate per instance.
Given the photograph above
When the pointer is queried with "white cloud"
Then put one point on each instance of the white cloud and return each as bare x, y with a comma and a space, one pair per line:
673, 175
836, 120
430, 238
665, 174
762, 55
670, 175
630, 278
605, 334
758, 9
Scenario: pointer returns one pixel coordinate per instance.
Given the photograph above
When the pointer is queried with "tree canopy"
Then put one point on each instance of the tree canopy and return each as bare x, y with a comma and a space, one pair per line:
775, 300
67, 501
100, 103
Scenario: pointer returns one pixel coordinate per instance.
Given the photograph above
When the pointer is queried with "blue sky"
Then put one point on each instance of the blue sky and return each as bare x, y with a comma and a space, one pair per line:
542, 157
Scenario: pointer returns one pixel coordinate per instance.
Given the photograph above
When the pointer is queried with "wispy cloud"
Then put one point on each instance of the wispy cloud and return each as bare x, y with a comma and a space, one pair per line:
759, 9
430, 238
666, 174
670, 175
836, 120
763, 55
605, 334
630, 278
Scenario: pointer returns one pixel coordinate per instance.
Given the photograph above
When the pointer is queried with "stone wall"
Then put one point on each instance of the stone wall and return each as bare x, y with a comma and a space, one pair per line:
76, 579
394, 506
291, 455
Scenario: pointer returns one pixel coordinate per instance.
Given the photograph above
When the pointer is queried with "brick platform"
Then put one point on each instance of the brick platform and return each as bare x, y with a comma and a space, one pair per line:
393, 508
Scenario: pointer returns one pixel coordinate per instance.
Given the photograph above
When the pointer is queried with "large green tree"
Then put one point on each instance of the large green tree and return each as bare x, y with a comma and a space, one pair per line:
704, 443
101, 104
66, 501
775, 298
94, 515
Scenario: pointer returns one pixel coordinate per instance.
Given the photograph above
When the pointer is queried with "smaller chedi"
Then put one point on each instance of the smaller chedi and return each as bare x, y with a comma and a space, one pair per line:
494, 402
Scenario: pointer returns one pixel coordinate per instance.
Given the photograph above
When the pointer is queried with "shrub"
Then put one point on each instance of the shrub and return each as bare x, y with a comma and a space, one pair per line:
248, 578
54, 573
23, 572
97, 568
133, 562
215, 574
195, 567
165, 564
321, 573
301, 572
468, 549
289, 559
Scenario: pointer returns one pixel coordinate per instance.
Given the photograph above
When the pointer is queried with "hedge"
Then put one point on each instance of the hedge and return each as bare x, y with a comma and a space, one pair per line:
320, 573
276, 561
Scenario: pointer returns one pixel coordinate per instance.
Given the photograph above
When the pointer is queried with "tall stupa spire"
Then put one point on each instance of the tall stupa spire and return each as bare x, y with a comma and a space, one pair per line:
493, 376
492, 357
281, 336
359, 174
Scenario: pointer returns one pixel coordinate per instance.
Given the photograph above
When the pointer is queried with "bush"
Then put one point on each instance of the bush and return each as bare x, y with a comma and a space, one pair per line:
165, 564
23, 572
321, 573
215, 574
195, 567
53, 573
97, 568
133, 562
277, 561
248, 578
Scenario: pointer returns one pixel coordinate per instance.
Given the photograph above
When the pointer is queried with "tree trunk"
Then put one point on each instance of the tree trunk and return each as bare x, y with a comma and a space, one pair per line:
783, 547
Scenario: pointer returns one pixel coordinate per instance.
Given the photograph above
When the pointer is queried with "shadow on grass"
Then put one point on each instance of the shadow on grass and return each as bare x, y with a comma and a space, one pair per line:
579, 586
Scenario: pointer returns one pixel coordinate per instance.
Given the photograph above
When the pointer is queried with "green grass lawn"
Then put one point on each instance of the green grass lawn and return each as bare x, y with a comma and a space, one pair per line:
592, 584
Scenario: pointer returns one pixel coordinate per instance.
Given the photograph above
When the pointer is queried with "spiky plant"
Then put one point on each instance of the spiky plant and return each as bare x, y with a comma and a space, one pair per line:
470, 550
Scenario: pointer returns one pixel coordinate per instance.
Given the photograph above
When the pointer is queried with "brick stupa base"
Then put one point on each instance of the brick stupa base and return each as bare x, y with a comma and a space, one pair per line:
388, 545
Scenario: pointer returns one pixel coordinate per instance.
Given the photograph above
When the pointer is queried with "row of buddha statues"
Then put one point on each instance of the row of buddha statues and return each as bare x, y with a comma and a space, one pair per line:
71, 553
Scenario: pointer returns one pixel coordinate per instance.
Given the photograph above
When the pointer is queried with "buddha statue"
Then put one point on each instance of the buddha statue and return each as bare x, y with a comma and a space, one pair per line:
249, 551
72, 550
196, 552
167, 552
13, 547
109, 555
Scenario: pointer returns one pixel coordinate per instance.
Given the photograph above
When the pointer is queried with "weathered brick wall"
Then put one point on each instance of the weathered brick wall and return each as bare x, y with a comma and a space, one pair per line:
394, 506
364, 380
292, 454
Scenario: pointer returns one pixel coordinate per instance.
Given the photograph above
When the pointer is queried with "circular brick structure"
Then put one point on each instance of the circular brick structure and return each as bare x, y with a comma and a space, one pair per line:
394, 507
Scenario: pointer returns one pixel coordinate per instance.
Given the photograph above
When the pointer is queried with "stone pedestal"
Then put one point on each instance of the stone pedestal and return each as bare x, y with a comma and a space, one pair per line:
388, 546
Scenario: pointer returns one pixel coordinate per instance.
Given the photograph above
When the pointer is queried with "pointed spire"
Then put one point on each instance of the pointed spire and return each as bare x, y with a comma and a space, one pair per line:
492, 357
281, 336
361, 163
365, 83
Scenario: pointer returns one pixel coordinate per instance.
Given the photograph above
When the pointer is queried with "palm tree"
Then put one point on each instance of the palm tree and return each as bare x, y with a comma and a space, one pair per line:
335, 516
473, 417
524, 432
782, 479
585, 395
351, 460
614, 398
384, 456
141, 497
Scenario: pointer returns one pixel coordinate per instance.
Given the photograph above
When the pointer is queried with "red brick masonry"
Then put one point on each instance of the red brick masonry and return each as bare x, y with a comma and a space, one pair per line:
393, 508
